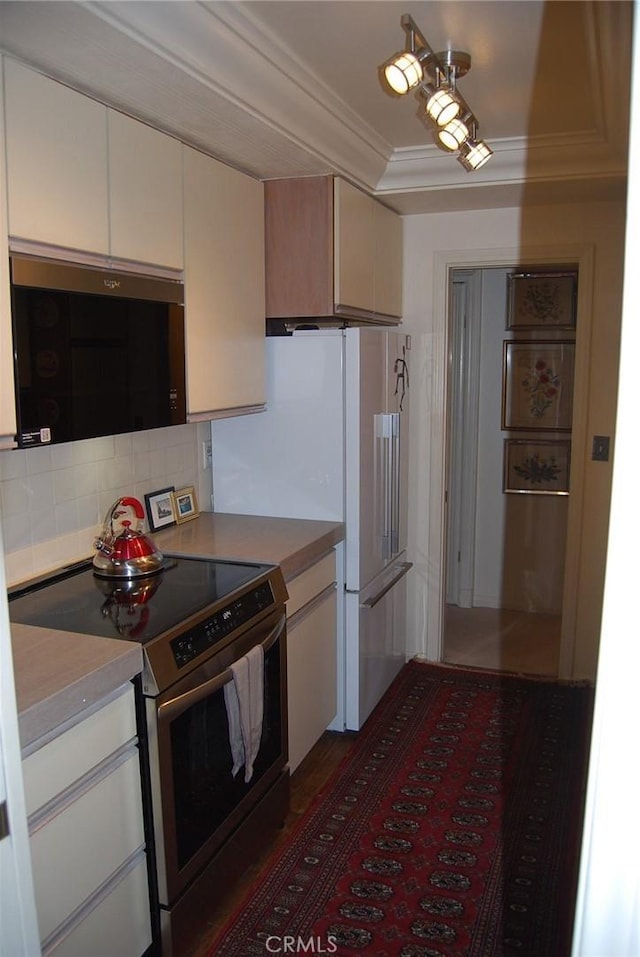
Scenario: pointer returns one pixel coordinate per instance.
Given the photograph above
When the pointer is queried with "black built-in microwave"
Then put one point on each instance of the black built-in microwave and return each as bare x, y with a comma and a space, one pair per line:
97, 351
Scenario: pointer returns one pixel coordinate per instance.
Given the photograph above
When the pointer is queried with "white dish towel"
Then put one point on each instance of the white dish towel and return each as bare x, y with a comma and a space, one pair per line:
244, 700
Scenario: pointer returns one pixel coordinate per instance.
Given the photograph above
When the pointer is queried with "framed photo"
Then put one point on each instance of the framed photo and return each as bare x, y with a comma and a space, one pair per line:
537, 467
185, 505
537, 385
160, 509
542, 300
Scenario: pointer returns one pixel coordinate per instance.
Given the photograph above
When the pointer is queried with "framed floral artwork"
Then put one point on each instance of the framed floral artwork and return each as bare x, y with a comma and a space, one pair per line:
537, 385
542, 300
537, 467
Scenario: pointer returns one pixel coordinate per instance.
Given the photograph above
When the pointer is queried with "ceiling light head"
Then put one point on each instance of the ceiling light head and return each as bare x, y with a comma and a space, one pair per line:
453, 135
442, 107
474, 154
404, 71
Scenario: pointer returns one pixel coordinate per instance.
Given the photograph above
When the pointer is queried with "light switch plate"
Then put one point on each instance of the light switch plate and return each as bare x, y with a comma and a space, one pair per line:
600, 448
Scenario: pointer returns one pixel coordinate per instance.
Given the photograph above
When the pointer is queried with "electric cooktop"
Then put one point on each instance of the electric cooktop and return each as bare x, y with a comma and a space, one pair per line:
137, 609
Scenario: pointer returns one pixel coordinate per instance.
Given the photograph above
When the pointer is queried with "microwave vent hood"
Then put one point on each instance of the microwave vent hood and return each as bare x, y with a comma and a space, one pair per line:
97, 350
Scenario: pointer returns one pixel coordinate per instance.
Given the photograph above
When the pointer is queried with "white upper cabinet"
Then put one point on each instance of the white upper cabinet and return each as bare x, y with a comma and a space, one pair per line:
56, 162
387, 292
224, 288
354, 245
86, 177
145, 190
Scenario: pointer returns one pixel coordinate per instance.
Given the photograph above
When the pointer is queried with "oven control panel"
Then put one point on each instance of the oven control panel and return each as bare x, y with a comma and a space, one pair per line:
188, 645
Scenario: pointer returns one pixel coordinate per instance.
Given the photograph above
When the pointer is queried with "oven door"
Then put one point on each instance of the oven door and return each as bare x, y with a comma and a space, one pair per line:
197, 802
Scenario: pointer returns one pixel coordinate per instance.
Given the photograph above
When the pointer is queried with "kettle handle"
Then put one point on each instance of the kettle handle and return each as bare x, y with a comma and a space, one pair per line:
135, 505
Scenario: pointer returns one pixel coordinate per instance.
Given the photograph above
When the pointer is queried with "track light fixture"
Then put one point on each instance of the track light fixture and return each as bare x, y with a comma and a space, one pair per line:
434, 76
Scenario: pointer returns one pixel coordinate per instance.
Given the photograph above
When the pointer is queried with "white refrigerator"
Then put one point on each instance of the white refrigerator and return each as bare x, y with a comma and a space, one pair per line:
332, 445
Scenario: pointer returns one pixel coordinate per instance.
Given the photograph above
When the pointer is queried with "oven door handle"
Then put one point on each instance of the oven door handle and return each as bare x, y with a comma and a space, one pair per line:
175, 706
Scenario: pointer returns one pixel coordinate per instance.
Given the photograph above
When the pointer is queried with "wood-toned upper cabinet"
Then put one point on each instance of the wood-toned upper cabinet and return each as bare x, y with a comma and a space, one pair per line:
224, 288
56, 162
145, 193
331, 250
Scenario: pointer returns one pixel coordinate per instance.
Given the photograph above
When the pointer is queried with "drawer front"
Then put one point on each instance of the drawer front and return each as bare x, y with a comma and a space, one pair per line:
67, 758
78, 849
120, 923
311, 582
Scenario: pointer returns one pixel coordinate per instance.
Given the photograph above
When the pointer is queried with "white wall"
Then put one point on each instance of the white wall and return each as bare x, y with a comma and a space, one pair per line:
433, 242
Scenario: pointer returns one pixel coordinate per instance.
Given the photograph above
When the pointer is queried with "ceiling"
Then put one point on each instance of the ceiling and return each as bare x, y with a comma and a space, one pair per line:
292, 88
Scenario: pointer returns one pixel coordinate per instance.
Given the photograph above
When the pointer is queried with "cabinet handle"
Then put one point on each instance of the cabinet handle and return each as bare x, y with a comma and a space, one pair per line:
310, 606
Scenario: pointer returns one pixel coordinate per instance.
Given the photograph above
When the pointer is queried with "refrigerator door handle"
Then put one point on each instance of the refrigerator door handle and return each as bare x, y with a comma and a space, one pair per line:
395, 473
371, 602
385, 437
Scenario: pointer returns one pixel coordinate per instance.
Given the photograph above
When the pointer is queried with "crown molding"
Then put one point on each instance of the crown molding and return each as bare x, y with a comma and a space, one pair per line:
231, 55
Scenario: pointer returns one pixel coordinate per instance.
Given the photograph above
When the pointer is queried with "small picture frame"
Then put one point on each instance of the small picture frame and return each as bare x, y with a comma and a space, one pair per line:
185, 505
160, 508
542, 300
537, 467
537, 385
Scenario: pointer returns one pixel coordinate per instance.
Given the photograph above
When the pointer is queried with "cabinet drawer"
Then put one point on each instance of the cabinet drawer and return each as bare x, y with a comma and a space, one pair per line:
62, 761
310, 583
78, 849
119, 925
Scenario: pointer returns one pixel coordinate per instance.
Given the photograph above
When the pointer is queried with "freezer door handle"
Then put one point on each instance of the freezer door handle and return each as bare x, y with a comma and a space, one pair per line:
371, 602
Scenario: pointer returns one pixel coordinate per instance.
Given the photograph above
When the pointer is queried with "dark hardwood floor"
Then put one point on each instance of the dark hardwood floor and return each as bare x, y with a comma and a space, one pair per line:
306, 782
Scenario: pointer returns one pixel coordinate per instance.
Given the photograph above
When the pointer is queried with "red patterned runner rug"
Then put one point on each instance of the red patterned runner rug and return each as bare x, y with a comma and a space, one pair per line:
451, 829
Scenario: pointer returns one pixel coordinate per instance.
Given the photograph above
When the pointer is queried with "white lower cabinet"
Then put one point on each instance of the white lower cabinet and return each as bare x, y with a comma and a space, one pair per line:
311, 656
86, 830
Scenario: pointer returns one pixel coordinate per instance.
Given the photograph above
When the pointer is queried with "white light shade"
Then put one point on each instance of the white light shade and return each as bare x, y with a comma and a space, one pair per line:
474, 155
403, 72
453, 135
442, 107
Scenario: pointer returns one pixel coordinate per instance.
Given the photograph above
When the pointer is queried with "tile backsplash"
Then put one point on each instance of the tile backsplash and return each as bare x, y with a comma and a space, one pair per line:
53, 499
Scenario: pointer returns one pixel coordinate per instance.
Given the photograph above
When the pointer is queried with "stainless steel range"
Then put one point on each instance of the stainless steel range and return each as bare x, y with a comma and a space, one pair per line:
195, 619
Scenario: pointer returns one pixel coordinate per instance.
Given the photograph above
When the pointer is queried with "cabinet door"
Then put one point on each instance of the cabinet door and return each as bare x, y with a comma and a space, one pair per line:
299, 247
312, 682
353, 247
224, 288
56, 162
7, 400
145, 193
388, 262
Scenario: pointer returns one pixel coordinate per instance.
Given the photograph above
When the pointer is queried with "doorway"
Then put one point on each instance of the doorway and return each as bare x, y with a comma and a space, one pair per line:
504, 560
